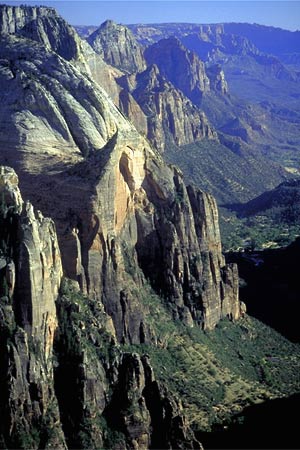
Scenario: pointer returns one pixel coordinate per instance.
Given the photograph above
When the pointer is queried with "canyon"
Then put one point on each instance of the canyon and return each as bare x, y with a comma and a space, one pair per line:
110, 265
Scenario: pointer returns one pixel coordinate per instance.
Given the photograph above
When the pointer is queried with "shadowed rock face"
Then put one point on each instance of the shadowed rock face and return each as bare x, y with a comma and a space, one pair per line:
37, 406
171, 117
181, 66
30, 277
156, 107
121, 215
112, 198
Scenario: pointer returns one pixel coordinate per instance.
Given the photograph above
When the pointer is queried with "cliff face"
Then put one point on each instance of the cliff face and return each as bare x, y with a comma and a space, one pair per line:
30, 274
43, 25
157, 108
124, 220
91, 158
171, 117
182, 67
106, 389
118, 47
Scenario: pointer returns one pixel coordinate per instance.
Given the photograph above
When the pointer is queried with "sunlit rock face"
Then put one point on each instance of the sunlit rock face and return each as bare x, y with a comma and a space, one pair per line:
111, 196
30, 277
118, 47
120, 219
171, 117
158, 109
43, 25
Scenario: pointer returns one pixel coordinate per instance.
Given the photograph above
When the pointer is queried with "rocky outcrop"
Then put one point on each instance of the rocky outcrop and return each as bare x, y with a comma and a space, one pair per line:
203, 39
110, 398
182, 67
184, 235
117, 207
145, 403
217, 79
171, 117
118, 47
30, 277
44, 25
158, 110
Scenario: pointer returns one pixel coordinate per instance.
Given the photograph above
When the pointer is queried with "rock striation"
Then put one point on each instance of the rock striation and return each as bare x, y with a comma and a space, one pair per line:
118, 47
171, 117
107, 391
113, 194
182, 67
125, 220
43, 25
112, 398
30, 277
158, 109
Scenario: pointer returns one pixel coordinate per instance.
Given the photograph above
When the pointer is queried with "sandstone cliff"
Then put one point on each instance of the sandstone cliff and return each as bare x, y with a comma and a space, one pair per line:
110, 397
125, 221
171, 117
118, 47
112, 194
43, 25
30, 277
158, 110
181, 66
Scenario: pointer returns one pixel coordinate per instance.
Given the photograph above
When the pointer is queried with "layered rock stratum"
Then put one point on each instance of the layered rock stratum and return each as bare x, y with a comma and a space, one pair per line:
170, 115
124, 221
182, 67
39, 411
159, 110
118, 47
107, 187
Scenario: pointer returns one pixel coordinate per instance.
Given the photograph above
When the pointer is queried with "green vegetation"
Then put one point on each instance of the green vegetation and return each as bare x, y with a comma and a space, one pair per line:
216, 374
82, 343
271, 220
255, 233
231, 175
83, 321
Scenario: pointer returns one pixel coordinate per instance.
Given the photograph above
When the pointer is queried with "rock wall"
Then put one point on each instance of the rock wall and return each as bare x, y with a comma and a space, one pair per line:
30, 276
124, 220
43, 25
171, 117
118, 47
158, 109
110, 398
117, 206
182, 67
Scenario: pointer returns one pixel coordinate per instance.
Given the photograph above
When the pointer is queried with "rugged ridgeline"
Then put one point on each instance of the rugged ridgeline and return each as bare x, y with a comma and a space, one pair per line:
185, 108
118, 47
182, 67
138, 249
158, 110
125, 220
109, 188
232, 44
31, 273
104, 387
170, 116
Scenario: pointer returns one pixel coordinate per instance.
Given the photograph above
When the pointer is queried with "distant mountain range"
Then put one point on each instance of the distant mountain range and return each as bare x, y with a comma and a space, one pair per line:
121, 324
221, 101
247, 98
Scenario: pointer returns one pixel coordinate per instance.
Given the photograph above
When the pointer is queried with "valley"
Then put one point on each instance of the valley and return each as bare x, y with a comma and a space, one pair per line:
149, 234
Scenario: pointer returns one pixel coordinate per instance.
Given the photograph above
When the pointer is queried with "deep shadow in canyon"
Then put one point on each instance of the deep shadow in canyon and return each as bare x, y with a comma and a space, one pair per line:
271, 288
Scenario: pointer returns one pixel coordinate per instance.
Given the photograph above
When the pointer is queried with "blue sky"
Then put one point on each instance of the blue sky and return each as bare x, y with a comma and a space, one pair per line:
283, 14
